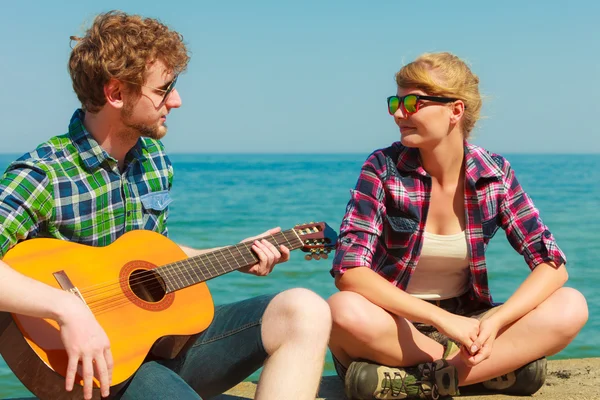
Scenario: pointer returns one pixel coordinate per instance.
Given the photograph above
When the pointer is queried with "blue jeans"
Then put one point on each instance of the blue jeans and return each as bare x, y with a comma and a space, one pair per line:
223, 355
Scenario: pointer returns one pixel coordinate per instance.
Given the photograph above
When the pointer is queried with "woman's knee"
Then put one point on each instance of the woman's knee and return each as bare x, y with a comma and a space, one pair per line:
353, 314
567, 311
574, 311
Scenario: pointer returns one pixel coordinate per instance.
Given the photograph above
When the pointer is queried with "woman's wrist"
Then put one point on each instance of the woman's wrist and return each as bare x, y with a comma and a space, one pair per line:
438, 317
497, 316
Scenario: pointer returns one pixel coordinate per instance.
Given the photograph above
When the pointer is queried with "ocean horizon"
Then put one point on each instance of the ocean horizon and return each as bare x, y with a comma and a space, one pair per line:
222, 198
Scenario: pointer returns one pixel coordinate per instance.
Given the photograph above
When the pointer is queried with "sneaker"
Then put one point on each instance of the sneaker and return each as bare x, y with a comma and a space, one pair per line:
524, 381
367, 381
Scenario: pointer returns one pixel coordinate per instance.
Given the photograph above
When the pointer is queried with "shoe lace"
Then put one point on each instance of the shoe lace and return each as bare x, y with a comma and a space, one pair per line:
427, 372
394, 384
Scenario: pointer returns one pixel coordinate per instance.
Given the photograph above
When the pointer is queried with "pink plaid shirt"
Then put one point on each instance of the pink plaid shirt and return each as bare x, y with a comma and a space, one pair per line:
385, 217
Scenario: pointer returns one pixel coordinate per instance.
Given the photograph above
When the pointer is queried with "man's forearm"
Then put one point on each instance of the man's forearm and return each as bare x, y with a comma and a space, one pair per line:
22, 295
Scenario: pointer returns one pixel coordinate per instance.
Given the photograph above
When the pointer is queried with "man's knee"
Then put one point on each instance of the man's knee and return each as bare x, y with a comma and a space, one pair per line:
298, 313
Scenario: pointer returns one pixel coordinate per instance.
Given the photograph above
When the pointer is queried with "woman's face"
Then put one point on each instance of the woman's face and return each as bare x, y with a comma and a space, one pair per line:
431, 123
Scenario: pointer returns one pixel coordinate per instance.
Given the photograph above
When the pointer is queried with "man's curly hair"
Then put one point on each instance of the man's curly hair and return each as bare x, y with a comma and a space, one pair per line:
121, 46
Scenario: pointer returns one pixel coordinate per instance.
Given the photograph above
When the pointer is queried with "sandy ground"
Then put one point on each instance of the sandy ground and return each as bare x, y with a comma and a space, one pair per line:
577, 379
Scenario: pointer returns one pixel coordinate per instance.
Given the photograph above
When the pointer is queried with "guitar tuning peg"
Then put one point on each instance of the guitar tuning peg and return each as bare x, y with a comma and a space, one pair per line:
325, 256
317, 256
308, 257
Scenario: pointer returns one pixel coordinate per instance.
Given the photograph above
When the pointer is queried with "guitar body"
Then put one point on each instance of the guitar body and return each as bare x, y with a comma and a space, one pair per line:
134, 313
145, 292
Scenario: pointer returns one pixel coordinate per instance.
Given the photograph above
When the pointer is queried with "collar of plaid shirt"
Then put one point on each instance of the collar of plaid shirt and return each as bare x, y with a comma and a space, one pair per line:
70, 188
479, 163
92, 154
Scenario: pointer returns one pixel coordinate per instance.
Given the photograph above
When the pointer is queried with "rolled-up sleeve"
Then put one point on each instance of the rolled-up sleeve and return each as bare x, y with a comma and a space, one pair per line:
524, 228
26, 201
362, 224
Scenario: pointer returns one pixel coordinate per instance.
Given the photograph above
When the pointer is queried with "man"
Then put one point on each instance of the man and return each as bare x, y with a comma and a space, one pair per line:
109, 175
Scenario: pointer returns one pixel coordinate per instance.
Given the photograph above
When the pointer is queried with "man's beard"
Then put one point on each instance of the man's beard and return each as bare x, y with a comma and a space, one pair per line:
153, 131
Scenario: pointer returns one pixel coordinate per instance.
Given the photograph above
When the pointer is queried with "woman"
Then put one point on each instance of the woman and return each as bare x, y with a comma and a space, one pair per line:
414, 316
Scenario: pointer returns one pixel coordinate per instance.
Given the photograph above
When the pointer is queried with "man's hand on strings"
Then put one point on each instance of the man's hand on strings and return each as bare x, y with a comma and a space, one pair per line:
268, 255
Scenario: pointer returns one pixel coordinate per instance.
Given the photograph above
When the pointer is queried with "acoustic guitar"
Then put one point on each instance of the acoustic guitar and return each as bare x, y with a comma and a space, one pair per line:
143, 290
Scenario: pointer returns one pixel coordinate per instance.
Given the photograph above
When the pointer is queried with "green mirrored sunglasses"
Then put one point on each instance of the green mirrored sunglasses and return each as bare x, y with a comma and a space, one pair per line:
411, 102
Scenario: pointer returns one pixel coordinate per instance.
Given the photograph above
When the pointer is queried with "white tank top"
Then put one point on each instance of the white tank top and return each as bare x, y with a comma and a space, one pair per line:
443, 268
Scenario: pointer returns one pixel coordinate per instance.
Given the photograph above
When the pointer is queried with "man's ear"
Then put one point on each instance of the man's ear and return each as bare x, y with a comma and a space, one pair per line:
113, 92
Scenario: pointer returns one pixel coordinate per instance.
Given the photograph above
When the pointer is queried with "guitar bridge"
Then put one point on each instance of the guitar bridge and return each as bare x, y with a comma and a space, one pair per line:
66, 284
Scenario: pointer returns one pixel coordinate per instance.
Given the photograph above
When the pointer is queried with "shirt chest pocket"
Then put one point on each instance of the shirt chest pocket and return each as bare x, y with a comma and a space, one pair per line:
489, 219
154, 205
399, 231
489, 207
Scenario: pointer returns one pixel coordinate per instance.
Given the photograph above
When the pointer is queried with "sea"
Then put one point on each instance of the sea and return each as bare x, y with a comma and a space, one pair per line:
220, 199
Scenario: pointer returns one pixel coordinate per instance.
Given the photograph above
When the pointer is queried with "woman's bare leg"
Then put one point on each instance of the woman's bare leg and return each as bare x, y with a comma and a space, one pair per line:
364, 330
544, 331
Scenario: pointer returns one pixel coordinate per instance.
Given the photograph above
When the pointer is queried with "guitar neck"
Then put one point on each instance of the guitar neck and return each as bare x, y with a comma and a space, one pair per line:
188, 272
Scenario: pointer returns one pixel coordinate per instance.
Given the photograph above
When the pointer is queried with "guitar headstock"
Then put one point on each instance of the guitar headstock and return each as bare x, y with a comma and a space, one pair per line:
318, 239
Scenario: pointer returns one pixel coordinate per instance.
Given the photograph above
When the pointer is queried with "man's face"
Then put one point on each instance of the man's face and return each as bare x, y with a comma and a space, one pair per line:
147, 115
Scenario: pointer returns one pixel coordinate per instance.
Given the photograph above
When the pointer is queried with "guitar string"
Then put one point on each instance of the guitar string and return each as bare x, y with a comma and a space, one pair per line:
179, 273
215, 254
119, 301
169, 271
175, 270
157, 284
118, 297
176, 277
111, 305
109, 302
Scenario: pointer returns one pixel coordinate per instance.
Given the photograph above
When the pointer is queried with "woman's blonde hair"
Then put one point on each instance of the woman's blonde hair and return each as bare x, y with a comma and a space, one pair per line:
444, 74
121, 46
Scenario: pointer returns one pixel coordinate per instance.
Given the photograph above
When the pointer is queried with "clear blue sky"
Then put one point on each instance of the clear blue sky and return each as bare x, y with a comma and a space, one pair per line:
312, 76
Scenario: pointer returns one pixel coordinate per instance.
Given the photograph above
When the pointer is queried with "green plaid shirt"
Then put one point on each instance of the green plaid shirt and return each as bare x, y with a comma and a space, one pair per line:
69, 188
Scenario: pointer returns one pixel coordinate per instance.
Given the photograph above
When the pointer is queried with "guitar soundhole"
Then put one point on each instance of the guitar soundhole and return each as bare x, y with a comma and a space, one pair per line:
147, 285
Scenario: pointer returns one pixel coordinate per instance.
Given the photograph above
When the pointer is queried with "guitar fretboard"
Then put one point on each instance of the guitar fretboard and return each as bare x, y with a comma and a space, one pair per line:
188, 272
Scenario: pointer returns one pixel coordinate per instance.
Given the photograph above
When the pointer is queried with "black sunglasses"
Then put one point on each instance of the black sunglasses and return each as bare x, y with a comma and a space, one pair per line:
166, 91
